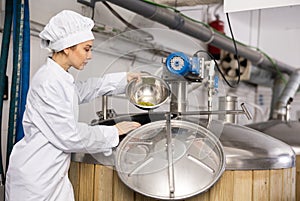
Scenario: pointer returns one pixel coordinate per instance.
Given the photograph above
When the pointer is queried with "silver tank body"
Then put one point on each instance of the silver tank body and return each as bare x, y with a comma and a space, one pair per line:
244, 148
286, 131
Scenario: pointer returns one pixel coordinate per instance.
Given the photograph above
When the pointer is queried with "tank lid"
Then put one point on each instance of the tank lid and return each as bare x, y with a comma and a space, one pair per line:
170, 161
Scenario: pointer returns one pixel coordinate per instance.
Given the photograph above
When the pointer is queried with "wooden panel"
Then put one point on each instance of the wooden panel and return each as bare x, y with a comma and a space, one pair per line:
120, 191
86, 188
103, 184
140, 197
74, 178
100, 183
242, 185
294, 183
201, 197
288, 185
261, 185
276, 185
222, 190
298, 177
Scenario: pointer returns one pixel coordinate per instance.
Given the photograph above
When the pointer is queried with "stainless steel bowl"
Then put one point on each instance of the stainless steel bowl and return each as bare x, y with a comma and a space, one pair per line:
148, 93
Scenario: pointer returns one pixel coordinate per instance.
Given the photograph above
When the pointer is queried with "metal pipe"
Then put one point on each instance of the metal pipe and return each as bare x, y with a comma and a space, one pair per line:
228, 103
202, 112
217, 112
178, 97
177, 22
104, 107
287, 95
277, 90
170, 156
211, 88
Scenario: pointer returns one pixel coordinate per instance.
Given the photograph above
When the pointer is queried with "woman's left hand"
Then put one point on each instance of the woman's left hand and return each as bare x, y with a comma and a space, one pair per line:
133, 75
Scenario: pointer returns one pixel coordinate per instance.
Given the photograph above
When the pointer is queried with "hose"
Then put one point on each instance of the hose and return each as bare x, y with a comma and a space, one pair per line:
16, 78
3, 67
25, 71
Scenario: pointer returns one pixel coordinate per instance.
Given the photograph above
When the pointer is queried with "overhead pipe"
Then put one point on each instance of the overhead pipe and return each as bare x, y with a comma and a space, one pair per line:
176, 21
277, 89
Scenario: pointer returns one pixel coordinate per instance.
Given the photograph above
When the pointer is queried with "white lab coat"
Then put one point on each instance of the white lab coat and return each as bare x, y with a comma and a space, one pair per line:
39, 163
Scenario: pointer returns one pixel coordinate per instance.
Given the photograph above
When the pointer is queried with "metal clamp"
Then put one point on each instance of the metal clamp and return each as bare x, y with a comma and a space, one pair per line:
212, 36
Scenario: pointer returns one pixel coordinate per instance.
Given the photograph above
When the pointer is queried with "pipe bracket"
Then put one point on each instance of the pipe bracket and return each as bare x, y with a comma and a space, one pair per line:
212, 36
260, 60
180, 22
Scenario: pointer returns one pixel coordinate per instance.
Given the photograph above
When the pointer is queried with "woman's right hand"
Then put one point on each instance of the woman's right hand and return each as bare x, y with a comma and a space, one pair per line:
126, 126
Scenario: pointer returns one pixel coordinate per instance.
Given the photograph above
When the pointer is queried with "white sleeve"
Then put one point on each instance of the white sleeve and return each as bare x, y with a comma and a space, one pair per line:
53, 115
109, 84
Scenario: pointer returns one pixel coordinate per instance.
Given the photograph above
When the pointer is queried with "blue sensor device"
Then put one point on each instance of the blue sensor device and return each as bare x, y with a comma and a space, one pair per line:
178, 63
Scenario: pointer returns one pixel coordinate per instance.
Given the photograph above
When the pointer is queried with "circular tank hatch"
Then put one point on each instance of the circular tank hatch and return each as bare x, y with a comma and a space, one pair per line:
196, 162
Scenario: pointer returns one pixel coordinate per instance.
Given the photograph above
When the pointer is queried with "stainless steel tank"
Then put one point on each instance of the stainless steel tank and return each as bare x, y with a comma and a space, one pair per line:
250, 155
244, 148
286, 131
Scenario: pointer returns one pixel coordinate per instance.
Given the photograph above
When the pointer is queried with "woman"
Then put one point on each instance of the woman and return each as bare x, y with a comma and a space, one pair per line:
39, 163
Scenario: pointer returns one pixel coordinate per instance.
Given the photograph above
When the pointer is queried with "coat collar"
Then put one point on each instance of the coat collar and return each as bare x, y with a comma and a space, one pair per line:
58, 69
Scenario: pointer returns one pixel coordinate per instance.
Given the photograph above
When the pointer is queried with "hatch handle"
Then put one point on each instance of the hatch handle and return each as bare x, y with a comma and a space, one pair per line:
170, 156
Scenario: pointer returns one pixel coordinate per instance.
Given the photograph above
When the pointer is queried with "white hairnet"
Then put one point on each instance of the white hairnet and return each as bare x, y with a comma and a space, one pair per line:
66, 29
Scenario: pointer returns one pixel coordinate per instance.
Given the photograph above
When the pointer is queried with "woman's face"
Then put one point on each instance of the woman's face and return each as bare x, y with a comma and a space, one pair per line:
79, 55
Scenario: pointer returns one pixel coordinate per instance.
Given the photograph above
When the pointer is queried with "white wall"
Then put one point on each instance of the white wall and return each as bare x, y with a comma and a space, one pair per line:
275, 31
238, 5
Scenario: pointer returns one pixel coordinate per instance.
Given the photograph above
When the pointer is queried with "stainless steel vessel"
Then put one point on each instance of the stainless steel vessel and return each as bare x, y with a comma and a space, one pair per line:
141, 160
249, 149
244, 148
286, 131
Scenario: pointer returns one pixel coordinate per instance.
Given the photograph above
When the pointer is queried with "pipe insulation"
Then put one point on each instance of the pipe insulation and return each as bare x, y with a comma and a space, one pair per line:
177, 22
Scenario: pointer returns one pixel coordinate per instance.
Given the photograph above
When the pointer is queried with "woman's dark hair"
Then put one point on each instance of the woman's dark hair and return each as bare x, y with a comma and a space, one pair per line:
62, 51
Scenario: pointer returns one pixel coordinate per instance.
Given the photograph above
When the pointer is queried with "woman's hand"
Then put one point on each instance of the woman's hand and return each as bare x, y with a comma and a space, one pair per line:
132, 75
126, 126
